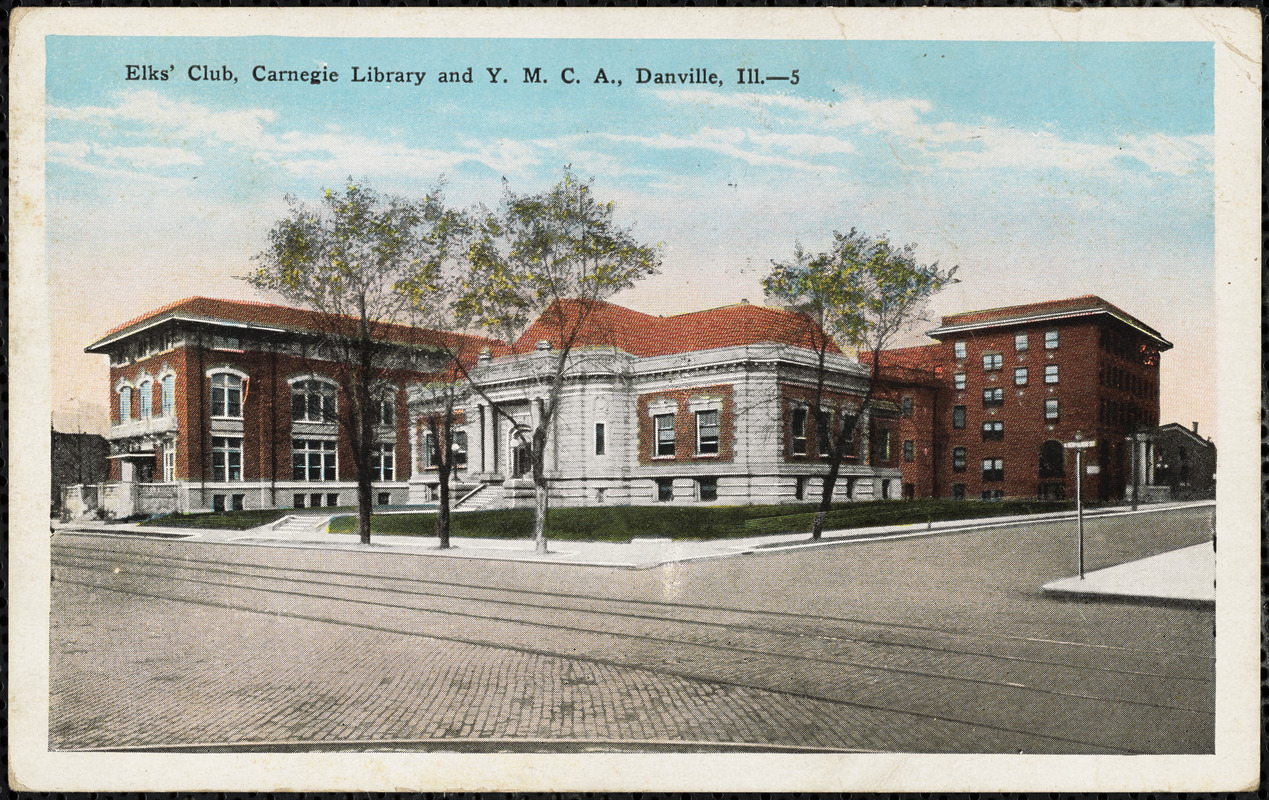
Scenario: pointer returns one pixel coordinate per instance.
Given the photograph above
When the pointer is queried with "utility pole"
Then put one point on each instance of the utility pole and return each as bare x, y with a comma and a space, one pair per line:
1079, 446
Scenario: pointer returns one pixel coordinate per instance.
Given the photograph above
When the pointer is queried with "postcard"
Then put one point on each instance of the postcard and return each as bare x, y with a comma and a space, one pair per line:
661, 400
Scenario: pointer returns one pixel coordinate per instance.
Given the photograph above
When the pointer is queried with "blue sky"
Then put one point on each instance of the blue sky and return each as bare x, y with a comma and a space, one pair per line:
1043, 169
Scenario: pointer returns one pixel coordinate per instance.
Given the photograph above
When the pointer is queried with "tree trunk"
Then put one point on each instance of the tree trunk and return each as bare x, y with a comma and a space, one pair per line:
826, 498
539, 488
539, 516
442, 513
363, 507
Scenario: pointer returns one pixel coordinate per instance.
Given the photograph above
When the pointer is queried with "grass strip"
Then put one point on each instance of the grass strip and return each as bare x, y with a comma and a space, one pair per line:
623, 523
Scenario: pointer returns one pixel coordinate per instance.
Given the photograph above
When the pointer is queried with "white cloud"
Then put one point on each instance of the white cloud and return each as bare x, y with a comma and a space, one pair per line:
300, 152
955, 145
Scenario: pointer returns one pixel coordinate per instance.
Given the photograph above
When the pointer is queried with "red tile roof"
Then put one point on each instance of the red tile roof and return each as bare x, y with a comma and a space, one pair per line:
1072, 306
609, 325
918, 364
268, 315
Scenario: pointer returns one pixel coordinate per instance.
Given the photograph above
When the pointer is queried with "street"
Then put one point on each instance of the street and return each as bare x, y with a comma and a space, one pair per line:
933, 644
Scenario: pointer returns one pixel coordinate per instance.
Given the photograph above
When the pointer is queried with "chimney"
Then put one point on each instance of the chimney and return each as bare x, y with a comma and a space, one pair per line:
1195, 426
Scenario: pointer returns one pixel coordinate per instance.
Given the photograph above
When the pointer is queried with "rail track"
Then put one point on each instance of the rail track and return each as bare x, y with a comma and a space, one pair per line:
1042, 691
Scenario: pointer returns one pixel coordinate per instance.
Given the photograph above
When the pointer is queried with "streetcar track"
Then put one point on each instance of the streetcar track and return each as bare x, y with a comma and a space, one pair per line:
718, 646
724, 609
681, 675
882, 643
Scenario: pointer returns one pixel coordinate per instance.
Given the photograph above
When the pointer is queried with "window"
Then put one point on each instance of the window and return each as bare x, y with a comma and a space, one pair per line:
332, 500
237, 501
1050, 340
959, 381
169, 461
297, 500
459, 449
1020, 342
958, 350
382, 461
707, 489
1051, 373
1020, 376
383, 499
599, 438
663, 447
218, 503
1051, 409
707, 432
909, 450
905, 403
797, 431
958, 459
993, 469
992, 361
383, 411
883, 444
125, 404
226, 343
958, 417
993, 494
226, 395
993, 397
313, 459
428, 448
822, 425
167, 395
993, 431
146, 393
312, 401
665, 490
799, 489
226, 458
958, 491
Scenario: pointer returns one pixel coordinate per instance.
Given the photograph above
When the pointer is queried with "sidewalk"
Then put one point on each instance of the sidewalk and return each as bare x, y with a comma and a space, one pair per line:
639, 553
1184, 577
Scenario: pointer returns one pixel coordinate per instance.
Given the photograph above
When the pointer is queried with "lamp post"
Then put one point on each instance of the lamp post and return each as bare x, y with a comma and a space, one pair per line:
1079, 446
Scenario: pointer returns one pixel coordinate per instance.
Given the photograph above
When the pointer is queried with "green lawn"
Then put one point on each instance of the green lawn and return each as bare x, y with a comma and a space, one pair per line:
622, 523
227, 520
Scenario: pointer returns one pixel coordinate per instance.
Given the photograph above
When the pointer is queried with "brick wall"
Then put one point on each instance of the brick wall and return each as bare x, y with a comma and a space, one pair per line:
685, 424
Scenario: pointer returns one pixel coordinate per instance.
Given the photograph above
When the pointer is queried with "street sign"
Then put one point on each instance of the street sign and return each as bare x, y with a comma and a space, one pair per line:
1093, 469
1079, 445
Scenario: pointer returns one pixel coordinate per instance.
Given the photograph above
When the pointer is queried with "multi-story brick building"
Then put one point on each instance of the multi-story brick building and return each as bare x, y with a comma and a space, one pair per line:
228, 405
225, 405
1016, 383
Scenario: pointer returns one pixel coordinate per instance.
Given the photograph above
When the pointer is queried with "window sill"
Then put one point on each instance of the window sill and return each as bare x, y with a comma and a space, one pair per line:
663, 458
705, 455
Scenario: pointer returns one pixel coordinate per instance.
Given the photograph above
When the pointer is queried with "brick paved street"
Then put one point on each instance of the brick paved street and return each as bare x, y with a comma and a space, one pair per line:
942, 643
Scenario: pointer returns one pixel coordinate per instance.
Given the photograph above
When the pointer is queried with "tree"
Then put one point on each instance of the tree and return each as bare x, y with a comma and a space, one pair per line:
548, 259
345, 259
863, 292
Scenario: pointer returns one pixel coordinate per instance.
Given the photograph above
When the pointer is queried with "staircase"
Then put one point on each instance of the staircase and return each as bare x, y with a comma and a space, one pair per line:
300, 525
481, 498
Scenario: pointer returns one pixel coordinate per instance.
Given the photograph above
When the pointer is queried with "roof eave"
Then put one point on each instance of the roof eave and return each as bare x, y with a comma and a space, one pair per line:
948, 330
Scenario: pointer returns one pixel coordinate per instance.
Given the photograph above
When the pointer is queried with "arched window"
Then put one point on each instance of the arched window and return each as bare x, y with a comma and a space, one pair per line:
313, 401
125, 403
226, 395
146, 393
1051, 459
383, 408
167, 394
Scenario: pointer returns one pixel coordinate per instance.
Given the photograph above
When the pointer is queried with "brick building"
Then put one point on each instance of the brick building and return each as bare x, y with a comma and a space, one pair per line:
706, 407
1015, 383
229, 405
